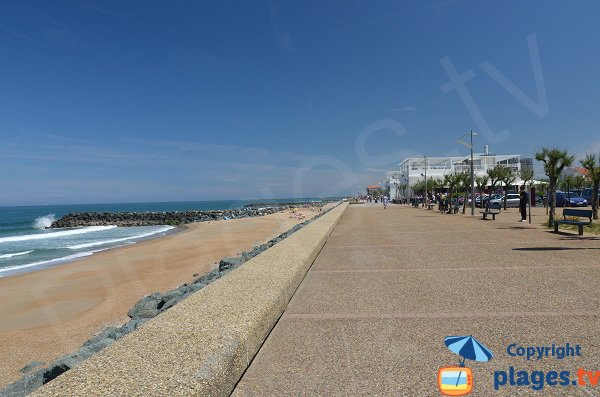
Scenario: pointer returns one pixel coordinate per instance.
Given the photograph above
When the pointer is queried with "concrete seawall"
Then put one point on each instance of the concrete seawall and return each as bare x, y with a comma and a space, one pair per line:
203, 345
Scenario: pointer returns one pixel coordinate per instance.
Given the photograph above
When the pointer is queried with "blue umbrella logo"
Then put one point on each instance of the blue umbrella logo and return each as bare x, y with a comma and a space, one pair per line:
468, 348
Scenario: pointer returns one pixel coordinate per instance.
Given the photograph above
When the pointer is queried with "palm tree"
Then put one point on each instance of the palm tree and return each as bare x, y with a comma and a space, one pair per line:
592, 165
555, 161
449, 181
565, 182
453, 183
495, 174
542, 184
435, 184
464, 182
508, 177
481, 182
526, 176
579, 182
418, 187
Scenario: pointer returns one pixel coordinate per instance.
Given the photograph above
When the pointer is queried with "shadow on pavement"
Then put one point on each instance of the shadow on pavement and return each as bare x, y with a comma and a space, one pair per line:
553, 249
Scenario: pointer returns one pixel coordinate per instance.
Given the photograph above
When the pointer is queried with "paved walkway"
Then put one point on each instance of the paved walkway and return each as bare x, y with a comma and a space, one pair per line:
371, 315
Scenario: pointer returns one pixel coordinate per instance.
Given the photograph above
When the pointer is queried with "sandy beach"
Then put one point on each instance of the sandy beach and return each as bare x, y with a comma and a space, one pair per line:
49, 313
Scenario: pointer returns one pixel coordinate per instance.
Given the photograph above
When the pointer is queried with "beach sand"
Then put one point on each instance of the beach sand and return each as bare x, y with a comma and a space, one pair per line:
49, 313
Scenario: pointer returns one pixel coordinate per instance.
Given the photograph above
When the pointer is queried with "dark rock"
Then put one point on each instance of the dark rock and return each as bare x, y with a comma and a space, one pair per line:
67, 362
208, 277
101, 344
229, 263
134, 324
246, 257
54, 372
170, 295
197, 286
172, 302
25, 385
107, 333
31, 366
147, 307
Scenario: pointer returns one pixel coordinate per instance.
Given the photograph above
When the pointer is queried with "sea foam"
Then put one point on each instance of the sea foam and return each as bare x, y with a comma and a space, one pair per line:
61, 233
5, 271
44, 221
118, 240
4, 256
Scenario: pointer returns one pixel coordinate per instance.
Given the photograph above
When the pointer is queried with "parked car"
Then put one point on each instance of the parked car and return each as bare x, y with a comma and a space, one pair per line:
486, 198
587, 194
571, 199
478, 200
512, 200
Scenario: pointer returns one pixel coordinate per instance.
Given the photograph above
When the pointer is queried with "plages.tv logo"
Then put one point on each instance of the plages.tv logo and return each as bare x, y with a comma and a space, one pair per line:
458, 380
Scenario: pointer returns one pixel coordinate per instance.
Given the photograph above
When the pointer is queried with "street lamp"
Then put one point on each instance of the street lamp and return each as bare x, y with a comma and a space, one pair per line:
470, 146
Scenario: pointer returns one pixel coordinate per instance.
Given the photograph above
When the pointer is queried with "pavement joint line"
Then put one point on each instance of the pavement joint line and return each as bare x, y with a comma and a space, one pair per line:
409, 316
447, 269
251, 360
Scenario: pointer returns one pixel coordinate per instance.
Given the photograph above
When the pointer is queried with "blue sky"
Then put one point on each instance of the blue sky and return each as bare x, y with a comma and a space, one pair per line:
123, 101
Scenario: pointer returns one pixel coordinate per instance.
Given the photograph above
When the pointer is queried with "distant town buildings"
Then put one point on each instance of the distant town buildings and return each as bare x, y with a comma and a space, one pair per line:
575, 171
414, 169
374, 190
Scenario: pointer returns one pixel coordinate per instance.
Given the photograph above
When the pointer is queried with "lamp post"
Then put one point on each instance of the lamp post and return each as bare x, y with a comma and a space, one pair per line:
470, 146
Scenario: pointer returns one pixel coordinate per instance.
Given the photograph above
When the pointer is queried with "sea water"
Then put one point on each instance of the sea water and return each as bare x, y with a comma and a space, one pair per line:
26, 244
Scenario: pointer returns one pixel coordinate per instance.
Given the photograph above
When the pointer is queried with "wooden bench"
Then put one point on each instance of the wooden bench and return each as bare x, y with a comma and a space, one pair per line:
430, 206
486, 213
574, 213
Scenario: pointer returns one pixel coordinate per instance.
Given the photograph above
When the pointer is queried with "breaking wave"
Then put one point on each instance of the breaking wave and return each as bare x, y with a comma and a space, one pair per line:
4, 256
60, 233
44, 221
117, 240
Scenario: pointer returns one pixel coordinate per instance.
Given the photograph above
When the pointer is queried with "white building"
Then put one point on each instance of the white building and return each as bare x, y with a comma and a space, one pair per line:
393, 180
413, 169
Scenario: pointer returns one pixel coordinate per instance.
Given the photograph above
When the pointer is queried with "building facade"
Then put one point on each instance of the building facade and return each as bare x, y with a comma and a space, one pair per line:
393, 181
414, 169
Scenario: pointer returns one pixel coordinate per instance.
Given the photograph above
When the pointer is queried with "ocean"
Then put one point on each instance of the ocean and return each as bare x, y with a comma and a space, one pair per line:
26, 244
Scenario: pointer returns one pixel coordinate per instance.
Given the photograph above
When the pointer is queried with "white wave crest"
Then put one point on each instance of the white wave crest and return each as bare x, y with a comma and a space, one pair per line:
61, 233
117, 240
44, 221
5, 271
4, 256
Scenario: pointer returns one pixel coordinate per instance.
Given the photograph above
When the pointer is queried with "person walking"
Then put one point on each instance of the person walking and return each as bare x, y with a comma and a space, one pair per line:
384, 200
523, 204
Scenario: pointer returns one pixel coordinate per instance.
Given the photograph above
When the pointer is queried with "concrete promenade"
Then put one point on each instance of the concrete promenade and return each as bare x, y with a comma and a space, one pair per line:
371, 314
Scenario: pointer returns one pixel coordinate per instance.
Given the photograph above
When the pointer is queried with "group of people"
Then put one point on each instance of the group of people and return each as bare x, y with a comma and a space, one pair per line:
384, 200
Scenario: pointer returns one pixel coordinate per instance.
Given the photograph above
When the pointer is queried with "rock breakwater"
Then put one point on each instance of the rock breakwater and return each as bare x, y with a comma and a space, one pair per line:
158, 218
